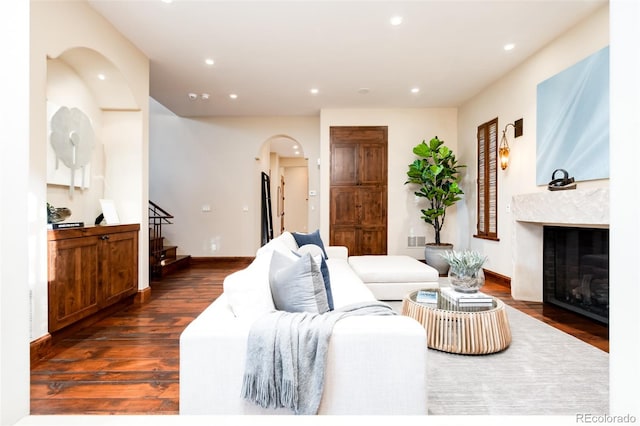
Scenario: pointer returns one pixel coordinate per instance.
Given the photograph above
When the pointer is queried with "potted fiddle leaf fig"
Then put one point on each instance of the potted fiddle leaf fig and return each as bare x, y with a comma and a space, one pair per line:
436, 174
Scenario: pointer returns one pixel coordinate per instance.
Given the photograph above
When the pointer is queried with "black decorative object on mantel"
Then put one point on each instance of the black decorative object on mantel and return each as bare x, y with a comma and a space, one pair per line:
562, 183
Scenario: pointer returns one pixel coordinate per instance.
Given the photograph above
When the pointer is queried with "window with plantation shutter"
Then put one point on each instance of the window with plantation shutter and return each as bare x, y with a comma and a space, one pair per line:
488, 180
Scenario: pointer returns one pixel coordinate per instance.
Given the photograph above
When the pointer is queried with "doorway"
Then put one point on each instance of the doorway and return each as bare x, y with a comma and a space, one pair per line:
295, 201
282, 159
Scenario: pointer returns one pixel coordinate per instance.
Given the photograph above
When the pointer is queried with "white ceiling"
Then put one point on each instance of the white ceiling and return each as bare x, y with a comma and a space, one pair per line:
271, 53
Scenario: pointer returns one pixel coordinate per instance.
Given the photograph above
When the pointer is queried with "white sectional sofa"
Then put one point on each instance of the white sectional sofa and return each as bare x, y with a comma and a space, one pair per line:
375, 364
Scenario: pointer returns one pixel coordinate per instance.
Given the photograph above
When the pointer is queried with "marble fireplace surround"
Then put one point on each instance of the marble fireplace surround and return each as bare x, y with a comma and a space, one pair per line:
585, 208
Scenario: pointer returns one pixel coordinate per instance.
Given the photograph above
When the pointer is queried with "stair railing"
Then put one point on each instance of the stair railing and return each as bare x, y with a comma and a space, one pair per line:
157, 217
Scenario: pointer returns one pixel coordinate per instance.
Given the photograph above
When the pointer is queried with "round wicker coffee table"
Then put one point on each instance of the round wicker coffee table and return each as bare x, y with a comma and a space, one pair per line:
470, 330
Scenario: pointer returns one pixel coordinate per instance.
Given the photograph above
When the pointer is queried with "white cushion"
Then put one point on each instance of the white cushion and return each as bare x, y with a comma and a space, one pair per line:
337, 252
390, 269
312, 249
288, 240
283, 243
347, 287
248, 290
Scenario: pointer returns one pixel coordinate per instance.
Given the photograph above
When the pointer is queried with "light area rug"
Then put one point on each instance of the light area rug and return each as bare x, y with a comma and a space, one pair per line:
543, 372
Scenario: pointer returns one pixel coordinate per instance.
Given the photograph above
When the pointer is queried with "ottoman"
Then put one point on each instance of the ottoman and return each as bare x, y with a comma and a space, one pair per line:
393, 277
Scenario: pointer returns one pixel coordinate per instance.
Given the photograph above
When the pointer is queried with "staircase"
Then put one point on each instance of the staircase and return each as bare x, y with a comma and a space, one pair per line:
163, 259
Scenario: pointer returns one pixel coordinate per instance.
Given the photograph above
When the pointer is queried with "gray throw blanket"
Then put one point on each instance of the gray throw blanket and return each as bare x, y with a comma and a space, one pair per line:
286, 355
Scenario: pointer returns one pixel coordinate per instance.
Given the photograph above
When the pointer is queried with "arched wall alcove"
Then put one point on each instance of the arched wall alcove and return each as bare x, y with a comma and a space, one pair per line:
83, 78
283, 159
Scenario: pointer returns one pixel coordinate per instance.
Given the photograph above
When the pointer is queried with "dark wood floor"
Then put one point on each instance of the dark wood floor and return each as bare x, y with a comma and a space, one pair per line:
583, 328
128, 363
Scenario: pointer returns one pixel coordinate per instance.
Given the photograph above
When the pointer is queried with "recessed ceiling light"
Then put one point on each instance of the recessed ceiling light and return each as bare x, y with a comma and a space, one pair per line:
233, 96
314, 91
102, 76
509, 46
396, 20
209, 61
415, 90
204, 96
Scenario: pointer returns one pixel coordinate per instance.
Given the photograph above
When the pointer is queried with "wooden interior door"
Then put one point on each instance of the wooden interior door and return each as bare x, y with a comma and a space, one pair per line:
358, 192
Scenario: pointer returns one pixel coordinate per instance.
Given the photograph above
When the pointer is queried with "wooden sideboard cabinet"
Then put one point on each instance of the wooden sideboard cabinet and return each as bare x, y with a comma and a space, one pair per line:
90, 268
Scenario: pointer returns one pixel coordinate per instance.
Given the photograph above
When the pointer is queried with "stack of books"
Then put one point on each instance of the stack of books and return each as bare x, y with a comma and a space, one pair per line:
427, 297
65, 225
477, 299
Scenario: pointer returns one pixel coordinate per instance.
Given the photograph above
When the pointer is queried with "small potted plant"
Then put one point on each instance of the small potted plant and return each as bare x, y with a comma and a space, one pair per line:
465, 270
57, 214
437, 176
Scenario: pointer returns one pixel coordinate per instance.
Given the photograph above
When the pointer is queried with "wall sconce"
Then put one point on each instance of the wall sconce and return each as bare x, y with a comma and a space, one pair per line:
503, 149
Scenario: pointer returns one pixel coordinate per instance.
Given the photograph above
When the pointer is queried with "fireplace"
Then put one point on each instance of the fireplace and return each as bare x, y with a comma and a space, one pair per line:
578, 208
576, 270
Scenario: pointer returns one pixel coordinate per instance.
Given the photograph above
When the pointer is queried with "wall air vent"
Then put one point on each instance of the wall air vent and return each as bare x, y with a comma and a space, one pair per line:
413, 241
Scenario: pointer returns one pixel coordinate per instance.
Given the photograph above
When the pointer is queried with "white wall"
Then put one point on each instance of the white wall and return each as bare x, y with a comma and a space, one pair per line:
217, 162
511, 98
121, 132
406, 129
624, 316
15, 199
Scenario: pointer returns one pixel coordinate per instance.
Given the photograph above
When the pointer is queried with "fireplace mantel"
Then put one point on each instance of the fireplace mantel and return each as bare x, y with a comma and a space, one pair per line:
577, 207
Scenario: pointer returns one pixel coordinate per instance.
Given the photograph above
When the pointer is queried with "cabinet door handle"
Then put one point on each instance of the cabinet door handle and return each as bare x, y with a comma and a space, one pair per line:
104, 237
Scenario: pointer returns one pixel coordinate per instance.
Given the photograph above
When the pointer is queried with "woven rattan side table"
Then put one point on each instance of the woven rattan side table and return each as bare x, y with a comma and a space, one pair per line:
476, 330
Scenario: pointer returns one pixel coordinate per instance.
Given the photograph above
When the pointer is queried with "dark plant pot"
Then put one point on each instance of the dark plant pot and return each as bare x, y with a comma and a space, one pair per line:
433, 258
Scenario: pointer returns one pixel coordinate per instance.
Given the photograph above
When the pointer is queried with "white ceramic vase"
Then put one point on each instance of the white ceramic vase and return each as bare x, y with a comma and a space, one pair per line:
433, 257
